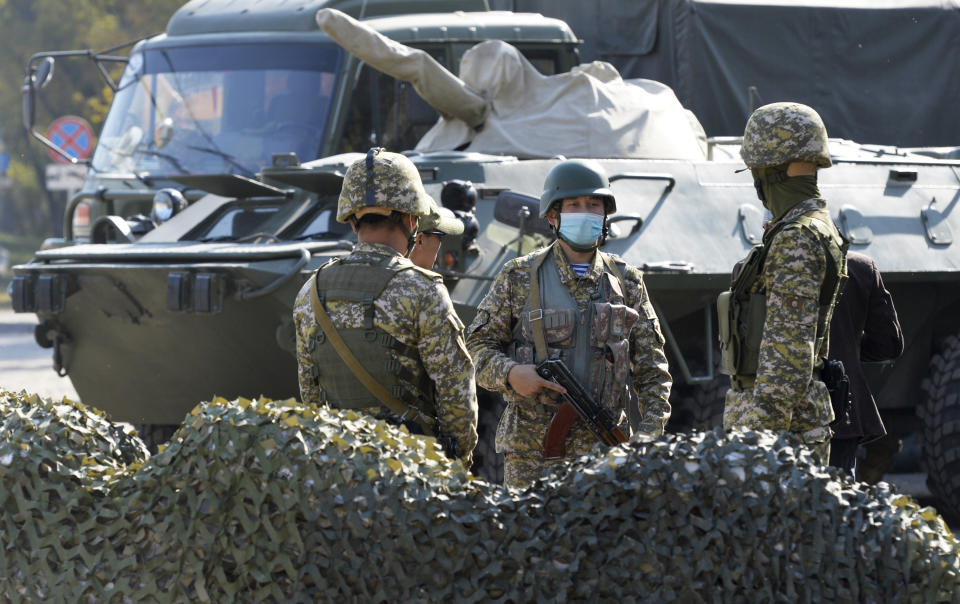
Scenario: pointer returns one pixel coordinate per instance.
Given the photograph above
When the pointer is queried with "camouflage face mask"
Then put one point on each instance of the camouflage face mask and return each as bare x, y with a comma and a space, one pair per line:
779, 192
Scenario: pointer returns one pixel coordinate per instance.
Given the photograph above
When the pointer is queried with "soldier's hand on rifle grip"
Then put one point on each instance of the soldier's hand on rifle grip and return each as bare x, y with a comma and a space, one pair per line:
525, 381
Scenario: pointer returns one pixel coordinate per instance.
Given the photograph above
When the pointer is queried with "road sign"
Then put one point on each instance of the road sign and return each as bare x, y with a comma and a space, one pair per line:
72, 134
65, 177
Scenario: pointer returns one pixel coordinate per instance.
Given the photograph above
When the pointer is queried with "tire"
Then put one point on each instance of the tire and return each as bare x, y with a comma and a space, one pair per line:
697, 406
487, 463
940, 415
153, 435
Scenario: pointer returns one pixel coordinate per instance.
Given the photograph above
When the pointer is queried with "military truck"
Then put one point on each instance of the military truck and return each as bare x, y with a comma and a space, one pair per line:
178, 265
179, 285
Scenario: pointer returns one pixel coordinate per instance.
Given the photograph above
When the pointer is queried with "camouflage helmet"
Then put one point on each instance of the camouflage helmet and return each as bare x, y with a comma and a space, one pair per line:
381, 183
440, 220
780, 133
573, 178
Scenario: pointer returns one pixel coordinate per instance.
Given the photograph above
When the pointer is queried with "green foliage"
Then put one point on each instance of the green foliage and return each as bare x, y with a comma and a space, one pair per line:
21, 247
31, 26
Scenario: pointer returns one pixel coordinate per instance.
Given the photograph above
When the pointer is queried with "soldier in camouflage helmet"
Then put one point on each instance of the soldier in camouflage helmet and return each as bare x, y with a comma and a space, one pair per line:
573, 302
434, 226
797, 272
394, 318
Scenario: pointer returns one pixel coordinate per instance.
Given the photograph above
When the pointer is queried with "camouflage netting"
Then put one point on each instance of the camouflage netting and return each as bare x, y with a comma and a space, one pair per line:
270, 500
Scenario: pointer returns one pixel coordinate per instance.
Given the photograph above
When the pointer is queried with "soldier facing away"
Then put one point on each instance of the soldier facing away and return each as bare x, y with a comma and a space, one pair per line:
865, 328
394, 319
783, 293
586, 307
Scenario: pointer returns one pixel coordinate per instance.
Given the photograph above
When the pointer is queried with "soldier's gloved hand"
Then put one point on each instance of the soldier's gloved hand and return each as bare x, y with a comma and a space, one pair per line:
526, 382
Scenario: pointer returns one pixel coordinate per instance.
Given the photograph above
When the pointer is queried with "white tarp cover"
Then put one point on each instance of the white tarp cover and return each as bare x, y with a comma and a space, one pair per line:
432, 81
501, 104
588, 112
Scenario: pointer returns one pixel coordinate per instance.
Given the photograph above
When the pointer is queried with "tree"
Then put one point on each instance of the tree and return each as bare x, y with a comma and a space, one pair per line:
30, 26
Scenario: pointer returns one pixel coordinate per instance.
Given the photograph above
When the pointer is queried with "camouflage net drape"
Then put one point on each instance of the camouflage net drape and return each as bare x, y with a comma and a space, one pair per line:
273, 501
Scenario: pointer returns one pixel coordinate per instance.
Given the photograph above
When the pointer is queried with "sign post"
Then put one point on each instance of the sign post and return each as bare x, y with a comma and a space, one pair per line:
74, 136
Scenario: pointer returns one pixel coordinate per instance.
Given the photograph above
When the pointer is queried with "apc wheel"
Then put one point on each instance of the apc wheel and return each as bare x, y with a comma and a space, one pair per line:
697, 406
153, 435
940, 414
487, 463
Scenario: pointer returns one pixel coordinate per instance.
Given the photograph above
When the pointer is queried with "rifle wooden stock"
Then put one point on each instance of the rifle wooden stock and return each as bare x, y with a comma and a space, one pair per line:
577, 405
555, 440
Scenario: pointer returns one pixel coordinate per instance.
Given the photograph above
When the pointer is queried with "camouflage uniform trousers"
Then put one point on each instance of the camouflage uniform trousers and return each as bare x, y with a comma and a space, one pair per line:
525, 420
785, 395
520, 470
416, 309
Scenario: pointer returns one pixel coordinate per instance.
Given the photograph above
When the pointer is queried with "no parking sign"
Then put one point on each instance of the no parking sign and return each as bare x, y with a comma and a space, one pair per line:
72, 134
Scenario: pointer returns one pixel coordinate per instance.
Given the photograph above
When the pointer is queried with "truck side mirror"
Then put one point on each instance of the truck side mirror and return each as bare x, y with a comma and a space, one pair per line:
37, 77
43, 73
29, 102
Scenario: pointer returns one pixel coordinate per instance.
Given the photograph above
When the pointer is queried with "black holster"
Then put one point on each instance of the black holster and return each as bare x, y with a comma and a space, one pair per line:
835, 377
449, 444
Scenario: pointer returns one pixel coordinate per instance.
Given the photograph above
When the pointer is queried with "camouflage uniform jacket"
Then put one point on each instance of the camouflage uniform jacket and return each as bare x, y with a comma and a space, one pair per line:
416, 310
525, 419
786, 395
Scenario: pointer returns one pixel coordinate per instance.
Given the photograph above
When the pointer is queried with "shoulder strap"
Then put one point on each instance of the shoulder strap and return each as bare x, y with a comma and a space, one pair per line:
536, 308
358, 370
611, 265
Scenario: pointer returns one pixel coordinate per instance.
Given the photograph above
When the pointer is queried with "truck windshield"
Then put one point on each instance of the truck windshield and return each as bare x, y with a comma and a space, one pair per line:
215, 109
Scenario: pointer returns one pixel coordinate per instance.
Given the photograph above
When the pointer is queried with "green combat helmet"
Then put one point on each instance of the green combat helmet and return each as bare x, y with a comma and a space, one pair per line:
440, 220
382, 183
573, 178
780, 133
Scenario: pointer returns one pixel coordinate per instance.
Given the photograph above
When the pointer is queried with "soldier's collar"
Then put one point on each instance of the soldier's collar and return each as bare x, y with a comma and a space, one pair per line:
566, 271
376, 248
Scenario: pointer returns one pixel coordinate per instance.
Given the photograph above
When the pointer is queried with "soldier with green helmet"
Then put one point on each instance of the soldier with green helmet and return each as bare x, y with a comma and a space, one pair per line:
774, 321
573, 302
377, 333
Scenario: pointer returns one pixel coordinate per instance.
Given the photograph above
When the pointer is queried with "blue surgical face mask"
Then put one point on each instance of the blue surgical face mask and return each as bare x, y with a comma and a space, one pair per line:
581, 229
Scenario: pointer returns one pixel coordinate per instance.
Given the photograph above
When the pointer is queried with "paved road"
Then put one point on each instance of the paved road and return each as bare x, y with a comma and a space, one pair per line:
23, 364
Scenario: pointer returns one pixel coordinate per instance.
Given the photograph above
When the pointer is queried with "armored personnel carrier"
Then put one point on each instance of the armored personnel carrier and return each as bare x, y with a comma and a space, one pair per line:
203, 215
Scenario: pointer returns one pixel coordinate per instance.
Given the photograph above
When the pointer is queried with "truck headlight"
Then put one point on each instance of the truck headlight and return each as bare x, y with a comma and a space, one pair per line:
166, 203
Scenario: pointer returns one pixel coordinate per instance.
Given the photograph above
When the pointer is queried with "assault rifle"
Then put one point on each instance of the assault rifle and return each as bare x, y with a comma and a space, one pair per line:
578, 404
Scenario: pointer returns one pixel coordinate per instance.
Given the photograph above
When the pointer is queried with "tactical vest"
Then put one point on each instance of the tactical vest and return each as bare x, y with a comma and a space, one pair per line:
362, 282
742, 312
594, 343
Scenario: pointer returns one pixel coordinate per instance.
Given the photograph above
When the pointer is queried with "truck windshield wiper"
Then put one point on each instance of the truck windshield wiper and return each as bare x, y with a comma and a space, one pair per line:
170, 158
229, 158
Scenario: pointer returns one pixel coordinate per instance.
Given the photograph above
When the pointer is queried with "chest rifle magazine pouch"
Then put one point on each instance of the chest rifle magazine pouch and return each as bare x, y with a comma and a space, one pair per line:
741, 312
